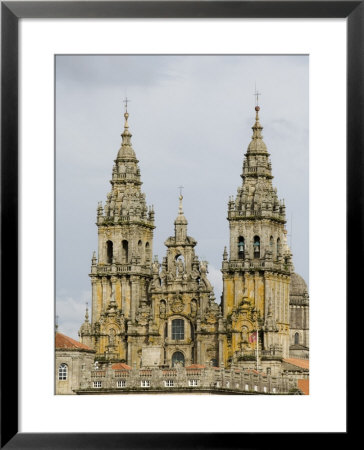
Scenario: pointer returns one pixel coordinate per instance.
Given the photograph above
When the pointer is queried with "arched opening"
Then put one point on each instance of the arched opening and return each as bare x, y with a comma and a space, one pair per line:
178, 357
124, 252
271, 244
62, 372
140, 249
241, 247
178, 329
278, 247
109, 252
162, 308
296, 338
256, 246
214, 362
147, 252
180, 265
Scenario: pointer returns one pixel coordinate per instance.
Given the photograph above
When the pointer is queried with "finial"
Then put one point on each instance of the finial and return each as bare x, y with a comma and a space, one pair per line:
180, 208
256, 94
225, 254
126, 114
86, 314
126, 104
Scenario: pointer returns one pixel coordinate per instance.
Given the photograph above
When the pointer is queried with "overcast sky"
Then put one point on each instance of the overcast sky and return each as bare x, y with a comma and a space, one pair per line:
191, 119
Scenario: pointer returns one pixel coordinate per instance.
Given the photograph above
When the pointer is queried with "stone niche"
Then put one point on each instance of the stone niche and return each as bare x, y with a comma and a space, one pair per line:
152, 356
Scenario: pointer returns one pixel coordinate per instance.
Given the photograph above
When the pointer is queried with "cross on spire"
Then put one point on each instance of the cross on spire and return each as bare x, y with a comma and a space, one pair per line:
126, 103
180, 189
256, 94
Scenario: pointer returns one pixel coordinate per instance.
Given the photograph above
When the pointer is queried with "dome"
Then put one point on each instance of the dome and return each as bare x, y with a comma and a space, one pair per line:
181, 220
126, 152
298, 285
257, 146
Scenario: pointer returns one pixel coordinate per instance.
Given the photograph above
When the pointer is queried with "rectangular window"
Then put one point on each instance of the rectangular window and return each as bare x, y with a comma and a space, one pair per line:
97, 384
145, 383
169, 383
192, 382
121, 383
247, 387
256, 388
178, 329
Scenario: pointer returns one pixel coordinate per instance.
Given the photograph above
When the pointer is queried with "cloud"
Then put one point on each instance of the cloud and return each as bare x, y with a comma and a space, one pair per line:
71, 312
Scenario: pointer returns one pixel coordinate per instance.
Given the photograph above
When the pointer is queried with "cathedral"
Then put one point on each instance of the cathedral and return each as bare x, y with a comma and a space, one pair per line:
163, 314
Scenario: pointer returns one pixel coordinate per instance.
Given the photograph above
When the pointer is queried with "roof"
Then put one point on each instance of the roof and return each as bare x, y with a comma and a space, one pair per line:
304, 386
298, 347
196, 366
253, 371
298, 362
120, 366
298, 285
65, 342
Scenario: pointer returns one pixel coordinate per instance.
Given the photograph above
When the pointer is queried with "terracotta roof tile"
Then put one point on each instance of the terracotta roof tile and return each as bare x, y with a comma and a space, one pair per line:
63, 341
196, 366
303, 363
304, 386
120, 366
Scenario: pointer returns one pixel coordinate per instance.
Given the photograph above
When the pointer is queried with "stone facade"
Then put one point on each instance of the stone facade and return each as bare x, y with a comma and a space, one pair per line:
160, 315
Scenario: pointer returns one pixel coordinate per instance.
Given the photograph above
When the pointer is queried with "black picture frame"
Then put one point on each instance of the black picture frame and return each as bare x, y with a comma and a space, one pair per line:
11, 12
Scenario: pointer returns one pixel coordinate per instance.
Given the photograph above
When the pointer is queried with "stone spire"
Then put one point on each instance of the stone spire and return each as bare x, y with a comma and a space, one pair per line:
86, 314
257, 196
180, 224
125, 202
85, 329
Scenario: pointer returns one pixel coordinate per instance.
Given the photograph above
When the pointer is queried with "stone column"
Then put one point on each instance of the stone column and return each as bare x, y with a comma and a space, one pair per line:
135, 294
105, 285
123, 293
94, 299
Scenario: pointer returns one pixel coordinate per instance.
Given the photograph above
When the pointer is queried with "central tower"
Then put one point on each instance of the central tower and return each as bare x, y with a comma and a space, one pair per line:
256, 274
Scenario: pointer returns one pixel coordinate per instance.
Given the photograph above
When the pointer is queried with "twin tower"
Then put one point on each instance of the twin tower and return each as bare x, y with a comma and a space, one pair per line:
147, 312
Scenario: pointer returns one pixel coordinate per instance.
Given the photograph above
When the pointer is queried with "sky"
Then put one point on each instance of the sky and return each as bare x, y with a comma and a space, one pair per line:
191, 119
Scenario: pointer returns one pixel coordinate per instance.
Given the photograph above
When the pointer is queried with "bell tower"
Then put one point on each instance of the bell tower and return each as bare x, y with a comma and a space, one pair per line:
121, 271
256, 272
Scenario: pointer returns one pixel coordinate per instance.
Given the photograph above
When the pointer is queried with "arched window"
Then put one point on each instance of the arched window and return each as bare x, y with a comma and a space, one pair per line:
147, 252
140, 248
271, 243
178, 329
62, 372
241, 247
124, 252
296, 338
278, 246
178, 357
256, 246
165, 330
109, 251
